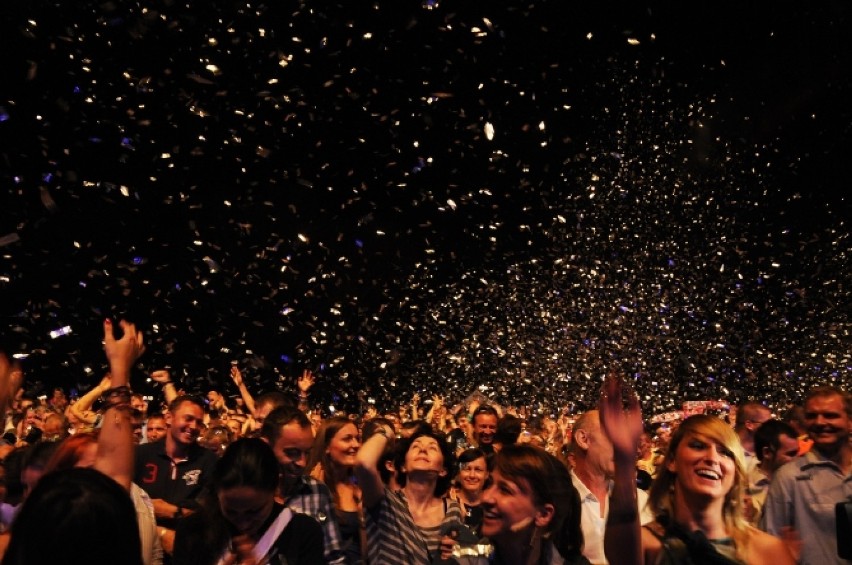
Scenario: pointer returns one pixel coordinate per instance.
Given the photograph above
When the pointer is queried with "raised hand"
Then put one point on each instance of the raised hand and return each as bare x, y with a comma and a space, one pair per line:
306, 381
161, 376
622, 424
236, 376
123, 352
11, 378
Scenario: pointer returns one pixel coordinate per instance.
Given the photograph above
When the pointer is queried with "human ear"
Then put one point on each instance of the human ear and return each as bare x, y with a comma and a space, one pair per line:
544, 514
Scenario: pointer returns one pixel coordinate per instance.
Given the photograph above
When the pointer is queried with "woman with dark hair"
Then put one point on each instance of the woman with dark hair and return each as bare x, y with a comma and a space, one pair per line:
332, 462
531, 511
469, 485
407, 526
239, 520
64, 511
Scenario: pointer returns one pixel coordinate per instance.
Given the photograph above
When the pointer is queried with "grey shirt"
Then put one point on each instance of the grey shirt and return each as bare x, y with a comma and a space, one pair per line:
803, 494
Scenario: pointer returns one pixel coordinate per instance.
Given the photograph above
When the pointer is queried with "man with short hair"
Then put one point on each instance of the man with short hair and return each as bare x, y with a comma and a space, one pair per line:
155, 428
594, 468
750, 416
173, 472
804, 492
485, 420
288, 431
775, 443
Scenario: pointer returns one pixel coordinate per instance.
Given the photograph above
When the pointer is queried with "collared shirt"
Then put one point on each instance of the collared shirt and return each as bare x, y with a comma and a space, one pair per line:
803, 494
593, 521
312, 497
176, 482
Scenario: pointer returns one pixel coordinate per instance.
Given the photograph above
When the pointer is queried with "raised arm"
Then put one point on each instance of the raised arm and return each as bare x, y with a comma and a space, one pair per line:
367, 467
82, 409
623, 426
115, 442
11, 378
305, 382
237, 377
165, 379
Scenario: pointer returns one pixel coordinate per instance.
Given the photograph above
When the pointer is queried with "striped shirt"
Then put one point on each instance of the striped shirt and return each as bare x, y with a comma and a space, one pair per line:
394, 539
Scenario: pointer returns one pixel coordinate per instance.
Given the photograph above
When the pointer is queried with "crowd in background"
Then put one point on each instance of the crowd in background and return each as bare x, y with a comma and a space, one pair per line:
260, 477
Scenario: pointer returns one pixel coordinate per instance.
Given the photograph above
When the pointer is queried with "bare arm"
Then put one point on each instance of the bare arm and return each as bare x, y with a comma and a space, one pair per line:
623, 537
82, 409
115, 442
237, 377
165, 379
367, 468
11, 378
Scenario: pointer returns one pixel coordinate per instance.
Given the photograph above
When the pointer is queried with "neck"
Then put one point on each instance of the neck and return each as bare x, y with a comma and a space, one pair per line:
700, 513
842, 456
174, 449
419, 488
594, 481
470, 498
519, 547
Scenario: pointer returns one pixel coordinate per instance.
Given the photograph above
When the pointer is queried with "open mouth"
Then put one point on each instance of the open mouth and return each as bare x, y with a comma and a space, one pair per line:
708, 474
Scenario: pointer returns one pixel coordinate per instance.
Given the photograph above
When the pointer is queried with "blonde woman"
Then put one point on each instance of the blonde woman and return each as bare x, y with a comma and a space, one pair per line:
697, 495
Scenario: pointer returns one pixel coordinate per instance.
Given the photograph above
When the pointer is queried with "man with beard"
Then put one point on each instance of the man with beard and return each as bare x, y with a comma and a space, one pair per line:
288, 431
174, 470
804, 492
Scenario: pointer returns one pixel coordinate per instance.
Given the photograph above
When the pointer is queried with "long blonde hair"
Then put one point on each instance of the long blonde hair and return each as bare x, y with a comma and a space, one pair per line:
661, 495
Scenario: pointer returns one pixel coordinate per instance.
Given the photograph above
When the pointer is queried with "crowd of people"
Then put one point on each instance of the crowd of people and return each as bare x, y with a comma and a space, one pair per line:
262, 479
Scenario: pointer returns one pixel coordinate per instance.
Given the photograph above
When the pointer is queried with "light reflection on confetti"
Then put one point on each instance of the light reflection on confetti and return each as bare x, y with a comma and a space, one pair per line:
436, 198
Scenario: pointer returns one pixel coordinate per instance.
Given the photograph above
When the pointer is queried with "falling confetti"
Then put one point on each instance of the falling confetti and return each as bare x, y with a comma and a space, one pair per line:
449, 198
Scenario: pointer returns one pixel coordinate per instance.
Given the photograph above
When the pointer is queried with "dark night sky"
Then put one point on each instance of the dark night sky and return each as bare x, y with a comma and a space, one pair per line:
294, 185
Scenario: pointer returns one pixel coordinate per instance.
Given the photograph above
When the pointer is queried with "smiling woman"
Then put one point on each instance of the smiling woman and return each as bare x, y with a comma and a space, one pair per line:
696, 497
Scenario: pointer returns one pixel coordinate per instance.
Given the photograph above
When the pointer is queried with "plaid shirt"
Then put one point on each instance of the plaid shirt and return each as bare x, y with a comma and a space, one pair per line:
311, 497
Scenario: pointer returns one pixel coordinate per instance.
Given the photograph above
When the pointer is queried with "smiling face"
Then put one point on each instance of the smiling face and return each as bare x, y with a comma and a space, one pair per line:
292, 448
246, 508
510, 509
472, 475
827, 423
703, 467
344, 446
185, 423
484, 428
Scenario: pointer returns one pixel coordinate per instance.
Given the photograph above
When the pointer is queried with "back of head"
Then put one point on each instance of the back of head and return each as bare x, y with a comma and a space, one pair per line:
750, 412
78, 516
551, 483
508, 430
70, 451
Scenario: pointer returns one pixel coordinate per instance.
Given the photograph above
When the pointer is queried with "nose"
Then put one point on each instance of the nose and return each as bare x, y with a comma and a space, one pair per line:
488, 496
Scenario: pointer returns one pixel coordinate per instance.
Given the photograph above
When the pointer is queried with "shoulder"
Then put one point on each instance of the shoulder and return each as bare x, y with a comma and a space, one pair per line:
767, 549
149, 449
652, 545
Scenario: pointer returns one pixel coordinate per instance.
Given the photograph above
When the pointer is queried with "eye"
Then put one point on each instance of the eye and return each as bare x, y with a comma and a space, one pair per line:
697, 444
725, 452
